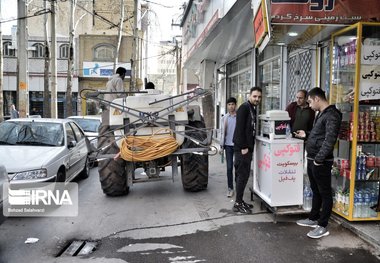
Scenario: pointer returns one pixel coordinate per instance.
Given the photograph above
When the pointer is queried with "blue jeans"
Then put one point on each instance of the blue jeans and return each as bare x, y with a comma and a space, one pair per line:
230, 164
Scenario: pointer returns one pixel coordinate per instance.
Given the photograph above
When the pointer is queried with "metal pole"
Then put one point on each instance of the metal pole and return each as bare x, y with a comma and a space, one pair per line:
54, 108
134, 48
22, 60
1, 75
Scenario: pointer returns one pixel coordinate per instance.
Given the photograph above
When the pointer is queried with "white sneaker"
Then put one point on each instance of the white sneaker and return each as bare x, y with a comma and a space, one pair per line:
230, 192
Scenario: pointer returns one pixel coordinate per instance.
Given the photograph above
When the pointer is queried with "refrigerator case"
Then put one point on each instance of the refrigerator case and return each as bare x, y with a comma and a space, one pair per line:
278, 171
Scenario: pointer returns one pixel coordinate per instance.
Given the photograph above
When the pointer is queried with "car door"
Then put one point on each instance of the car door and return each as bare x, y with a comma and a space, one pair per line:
81, 147
73, 153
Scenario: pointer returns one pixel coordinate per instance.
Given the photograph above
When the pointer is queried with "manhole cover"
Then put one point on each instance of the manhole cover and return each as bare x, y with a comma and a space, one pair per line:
78, 248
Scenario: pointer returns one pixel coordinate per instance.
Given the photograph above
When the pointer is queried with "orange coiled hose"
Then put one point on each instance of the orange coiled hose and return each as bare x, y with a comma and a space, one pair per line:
147, 148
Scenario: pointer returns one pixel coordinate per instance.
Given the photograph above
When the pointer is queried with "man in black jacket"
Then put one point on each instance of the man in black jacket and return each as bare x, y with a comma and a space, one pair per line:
244, 141
319, 146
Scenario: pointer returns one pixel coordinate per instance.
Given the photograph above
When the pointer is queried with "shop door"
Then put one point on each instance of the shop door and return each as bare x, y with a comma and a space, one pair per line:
300, 75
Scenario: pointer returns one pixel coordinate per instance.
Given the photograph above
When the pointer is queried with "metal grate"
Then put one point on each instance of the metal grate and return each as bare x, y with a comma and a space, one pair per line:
299, 73
78, 248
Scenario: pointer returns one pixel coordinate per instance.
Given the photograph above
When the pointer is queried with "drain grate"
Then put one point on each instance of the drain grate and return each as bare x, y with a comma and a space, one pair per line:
78, 248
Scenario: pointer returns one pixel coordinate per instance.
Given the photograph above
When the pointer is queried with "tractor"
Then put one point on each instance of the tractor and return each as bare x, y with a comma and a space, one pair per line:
150, 130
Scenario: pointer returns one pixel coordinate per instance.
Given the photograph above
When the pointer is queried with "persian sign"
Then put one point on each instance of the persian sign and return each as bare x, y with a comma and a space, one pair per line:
370, 73
324, 11
260, 25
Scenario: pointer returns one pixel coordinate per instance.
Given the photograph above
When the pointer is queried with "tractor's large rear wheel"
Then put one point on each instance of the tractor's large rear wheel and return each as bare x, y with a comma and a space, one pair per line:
112, 173
194, 167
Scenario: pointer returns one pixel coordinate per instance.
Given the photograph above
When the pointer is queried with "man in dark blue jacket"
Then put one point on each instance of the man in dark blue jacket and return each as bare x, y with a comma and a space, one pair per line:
244, 141
319, 146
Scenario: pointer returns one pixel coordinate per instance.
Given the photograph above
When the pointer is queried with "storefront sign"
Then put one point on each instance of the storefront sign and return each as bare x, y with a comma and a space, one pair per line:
370, 73
323, 11
103, 69
260, 24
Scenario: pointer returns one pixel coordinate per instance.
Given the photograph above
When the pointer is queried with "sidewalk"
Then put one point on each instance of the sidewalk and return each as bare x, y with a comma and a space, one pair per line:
369, 231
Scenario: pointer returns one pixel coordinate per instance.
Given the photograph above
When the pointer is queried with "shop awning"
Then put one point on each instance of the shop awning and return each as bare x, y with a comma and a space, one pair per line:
230, 37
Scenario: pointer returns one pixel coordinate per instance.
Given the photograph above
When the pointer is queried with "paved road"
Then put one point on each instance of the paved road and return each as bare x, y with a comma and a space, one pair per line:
159, 222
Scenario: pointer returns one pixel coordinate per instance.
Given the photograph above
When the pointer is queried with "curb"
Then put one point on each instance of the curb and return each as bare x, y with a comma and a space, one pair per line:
364, 236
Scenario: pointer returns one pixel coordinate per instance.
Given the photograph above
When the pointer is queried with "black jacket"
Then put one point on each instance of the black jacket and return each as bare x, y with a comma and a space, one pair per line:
322, 138
245, 127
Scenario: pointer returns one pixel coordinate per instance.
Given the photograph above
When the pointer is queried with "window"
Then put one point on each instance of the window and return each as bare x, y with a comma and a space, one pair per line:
239, 78
269, 81
64, 51
69, 133
39, 51
78, 133
7, 51
104, 52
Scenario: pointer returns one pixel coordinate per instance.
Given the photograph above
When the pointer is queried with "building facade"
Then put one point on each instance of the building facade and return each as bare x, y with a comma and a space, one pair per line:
95, 49
230, 46
36, 60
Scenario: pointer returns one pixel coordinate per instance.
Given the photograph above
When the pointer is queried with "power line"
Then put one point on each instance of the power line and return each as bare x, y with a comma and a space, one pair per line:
38, 13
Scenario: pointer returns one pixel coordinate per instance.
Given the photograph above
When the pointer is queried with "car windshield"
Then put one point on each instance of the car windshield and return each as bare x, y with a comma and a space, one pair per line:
88, 125
31, 133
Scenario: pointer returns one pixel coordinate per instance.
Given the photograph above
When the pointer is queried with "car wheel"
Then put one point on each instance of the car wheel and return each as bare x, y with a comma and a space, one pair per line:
86, 170
61, 177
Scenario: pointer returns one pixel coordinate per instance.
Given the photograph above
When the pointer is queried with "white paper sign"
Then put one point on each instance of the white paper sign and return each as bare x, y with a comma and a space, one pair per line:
370, 55
369, 90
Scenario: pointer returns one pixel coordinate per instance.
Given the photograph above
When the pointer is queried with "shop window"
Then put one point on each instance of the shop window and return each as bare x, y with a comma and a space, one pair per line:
269, 81
39, 51
64, 51
104, 52
239, 78
36, 103
7, 50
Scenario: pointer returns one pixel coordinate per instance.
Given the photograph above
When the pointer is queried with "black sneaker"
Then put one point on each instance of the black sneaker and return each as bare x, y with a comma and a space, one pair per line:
239, 207
246, 205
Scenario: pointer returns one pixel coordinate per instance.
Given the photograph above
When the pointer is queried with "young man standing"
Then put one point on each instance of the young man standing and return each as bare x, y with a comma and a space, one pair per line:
244, 141
227, 128
319, 146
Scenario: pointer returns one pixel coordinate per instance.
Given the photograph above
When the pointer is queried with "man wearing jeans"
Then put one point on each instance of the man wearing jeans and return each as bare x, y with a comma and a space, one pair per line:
227, 128
319, 146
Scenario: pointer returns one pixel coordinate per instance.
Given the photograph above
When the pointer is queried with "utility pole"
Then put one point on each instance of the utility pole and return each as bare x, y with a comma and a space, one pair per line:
46, 105
1, 74
134, 48
70, 59
54, 102
22, 59
119, 36
178, 66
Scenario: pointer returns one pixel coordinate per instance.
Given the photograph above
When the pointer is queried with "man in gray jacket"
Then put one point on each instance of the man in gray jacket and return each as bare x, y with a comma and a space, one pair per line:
319, 146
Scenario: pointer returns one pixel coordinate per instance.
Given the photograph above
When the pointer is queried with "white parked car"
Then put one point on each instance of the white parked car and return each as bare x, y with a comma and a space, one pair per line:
43, 150
90, 125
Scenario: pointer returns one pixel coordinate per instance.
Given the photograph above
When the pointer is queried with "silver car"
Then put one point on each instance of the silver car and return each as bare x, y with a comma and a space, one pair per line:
43, 150
90, 125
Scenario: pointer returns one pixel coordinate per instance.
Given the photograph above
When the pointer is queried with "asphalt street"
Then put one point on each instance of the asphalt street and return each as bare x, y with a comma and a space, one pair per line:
159, 222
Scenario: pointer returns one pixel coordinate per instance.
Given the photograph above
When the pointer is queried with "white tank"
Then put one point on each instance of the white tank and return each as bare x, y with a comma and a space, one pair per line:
140, 103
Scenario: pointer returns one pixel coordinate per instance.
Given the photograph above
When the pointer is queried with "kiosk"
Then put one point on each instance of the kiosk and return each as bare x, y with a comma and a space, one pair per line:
278, 163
